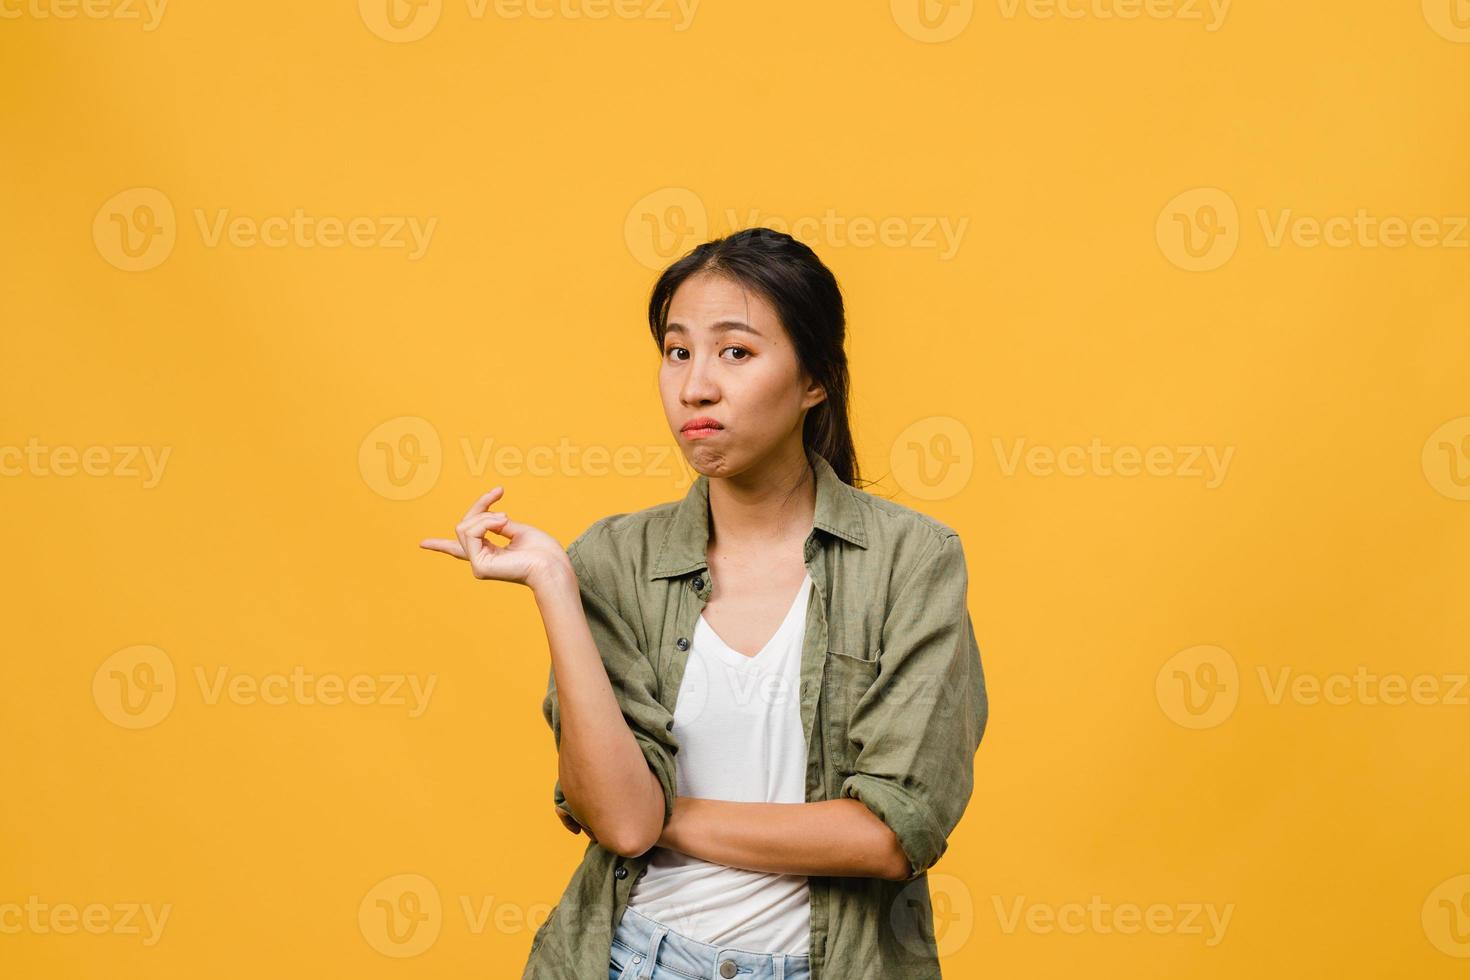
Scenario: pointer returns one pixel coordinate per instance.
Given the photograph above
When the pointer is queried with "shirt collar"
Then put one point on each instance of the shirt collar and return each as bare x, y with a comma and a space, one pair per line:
687, 540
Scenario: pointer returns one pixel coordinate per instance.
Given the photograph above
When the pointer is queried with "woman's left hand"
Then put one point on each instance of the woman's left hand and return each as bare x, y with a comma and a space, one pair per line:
570, 822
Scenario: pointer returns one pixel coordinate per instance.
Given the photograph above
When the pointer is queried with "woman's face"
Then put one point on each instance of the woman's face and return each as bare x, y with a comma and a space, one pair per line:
727, 358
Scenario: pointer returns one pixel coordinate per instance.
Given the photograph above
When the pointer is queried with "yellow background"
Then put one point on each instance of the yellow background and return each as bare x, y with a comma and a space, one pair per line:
549, 151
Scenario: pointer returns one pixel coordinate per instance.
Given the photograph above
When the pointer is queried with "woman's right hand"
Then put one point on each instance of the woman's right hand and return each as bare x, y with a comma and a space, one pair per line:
530, 555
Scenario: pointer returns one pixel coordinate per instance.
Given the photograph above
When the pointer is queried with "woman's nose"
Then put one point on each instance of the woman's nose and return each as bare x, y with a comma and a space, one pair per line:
699, 383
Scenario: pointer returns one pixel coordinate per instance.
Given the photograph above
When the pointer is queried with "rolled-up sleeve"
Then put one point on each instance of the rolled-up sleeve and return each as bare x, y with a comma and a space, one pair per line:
634, 681
919, 725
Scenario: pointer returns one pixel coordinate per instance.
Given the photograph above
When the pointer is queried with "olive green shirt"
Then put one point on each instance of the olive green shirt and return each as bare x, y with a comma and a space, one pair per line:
892, 702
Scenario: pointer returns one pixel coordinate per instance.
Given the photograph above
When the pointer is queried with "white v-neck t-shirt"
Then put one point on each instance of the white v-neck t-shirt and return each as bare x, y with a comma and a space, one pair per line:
738, 721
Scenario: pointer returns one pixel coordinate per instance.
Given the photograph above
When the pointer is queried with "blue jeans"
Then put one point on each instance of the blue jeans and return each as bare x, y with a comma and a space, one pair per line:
645, 949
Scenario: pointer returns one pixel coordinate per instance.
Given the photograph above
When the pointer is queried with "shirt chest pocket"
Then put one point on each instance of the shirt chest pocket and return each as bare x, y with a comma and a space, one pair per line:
845, 679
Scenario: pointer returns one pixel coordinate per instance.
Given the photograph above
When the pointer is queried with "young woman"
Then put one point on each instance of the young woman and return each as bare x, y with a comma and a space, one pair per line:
766, 697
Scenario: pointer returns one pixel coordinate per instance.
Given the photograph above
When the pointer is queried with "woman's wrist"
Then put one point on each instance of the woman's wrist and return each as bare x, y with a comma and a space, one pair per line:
552, 579
669, 836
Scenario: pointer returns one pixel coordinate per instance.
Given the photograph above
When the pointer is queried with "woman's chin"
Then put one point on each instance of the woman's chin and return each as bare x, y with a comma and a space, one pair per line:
706, 461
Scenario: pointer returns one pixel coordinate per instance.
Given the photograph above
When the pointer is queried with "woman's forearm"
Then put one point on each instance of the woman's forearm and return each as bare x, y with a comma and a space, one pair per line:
604, 776
830, 837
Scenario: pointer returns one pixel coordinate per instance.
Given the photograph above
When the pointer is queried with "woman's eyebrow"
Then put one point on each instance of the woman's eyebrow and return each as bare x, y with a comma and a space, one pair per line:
722, 326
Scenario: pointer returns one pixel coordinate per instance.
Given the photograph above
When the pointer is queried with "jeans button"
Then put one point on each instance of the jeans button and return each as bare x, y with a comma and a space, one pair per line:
728, 969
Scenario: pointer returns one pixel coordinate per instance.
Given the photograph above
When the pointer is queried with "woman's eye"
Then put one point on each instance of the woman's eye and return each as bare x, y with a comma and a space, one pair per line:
672, 352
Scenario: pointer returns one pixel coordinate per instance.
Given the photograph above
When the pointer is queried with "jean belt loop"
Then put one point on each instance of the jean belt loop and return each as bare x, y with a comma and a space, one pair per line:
778, 960
651, 957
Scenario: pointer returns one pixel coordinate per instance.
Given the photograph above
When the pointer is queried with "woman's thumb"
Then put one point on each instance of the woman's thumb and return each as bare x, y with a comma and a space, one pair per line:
505, 526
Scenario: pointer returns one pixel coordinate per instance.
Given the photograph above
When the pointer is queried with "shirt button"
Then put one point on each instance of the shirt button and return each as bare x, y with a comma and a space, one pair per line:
728, 968
698, 584
621, 872
682, 644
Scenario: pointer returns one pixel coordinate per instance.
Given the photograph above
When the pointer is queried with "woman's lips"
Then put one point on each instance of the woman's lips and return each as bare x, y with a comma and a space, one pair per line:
701, 431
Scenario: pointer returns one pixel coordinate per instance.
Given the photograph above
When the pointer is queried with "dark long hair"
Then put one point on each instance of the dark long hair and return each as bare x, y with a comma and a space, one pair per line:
807, 299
